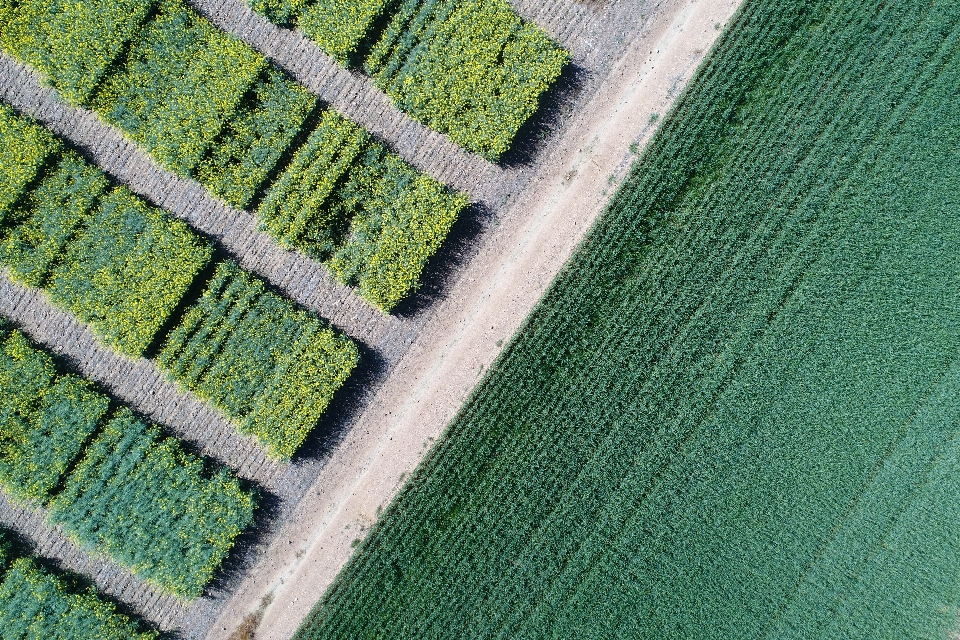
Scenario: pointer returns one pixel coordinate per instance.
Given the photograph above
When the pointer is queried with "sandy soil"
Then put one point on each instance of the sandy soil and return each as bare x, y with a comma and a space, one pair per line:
487, 304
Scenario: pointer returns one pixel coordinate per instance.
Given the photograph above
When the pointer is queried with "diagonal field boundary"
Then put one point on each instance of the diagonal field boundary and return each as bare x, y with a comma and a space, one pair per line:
631, 69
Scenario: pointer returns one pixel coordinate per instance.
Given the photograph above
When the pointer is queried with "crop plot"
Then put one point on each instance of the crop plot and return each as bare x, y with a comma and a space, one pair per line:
210, 108
470, 69
152, 507
275, 371
123, 267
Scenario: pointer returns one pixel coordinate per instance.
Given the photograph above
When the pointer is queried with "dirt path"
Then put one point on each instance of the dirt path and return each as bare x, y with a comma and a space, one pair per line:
502, 283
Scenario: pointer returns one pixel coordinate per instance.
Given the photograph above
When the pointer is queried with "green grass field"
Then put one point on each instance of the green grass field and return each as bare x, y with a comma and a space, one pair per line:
734, 415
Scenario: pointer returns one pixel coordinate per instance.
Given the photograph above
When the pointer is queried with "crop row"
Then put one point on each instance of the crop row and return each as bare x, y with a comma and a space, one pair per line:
469, 68
37, 603
111, 481
126, 268
210, 108
734, 414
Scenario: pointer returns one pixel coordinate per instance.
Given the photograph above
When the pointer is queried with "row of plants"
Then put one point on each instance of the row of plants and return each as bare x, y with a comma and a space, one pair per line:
272, 369
469, 68
374, 219
734, 414
129, 269
210, 108
110, 480
38, 603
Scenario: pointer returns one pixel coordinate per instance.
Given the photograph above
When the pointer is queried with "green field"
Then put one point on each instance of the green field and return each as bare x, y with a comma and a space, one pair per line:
734, 415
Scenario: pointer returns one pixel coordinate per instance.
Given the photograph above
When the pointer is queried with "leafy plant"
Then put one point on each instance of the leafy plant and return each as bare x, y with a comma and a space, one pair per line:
45, 420
339, 27
47, 219
269, 366
128, 270
23, 150
152, 507
282, 12
468, 68
400, 219
300, 208
251, 143
348, 200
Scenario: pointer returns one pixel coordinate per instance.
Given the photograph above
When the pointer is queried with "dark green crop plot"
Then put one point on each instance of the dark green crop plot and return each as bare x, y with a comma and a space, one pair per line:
36, 604
45, 222
269, 366
153, 507
735, 414
182, 80
45, 418
128, 270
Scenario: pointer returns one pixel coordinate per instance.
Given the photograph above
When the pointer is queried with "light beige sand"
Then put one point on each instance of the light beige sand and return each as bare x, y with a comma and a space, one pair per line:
487, 305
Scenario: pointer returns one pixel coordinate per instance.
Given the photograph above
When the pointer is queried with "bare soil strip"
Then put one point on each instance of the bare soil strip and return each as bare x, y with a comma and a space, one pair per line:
304, 280
491, 295
565, 21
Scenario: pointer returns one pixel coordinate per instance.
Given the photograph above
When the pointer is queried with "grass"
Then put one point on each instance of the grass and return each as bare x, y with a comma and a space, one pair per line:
734, 415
